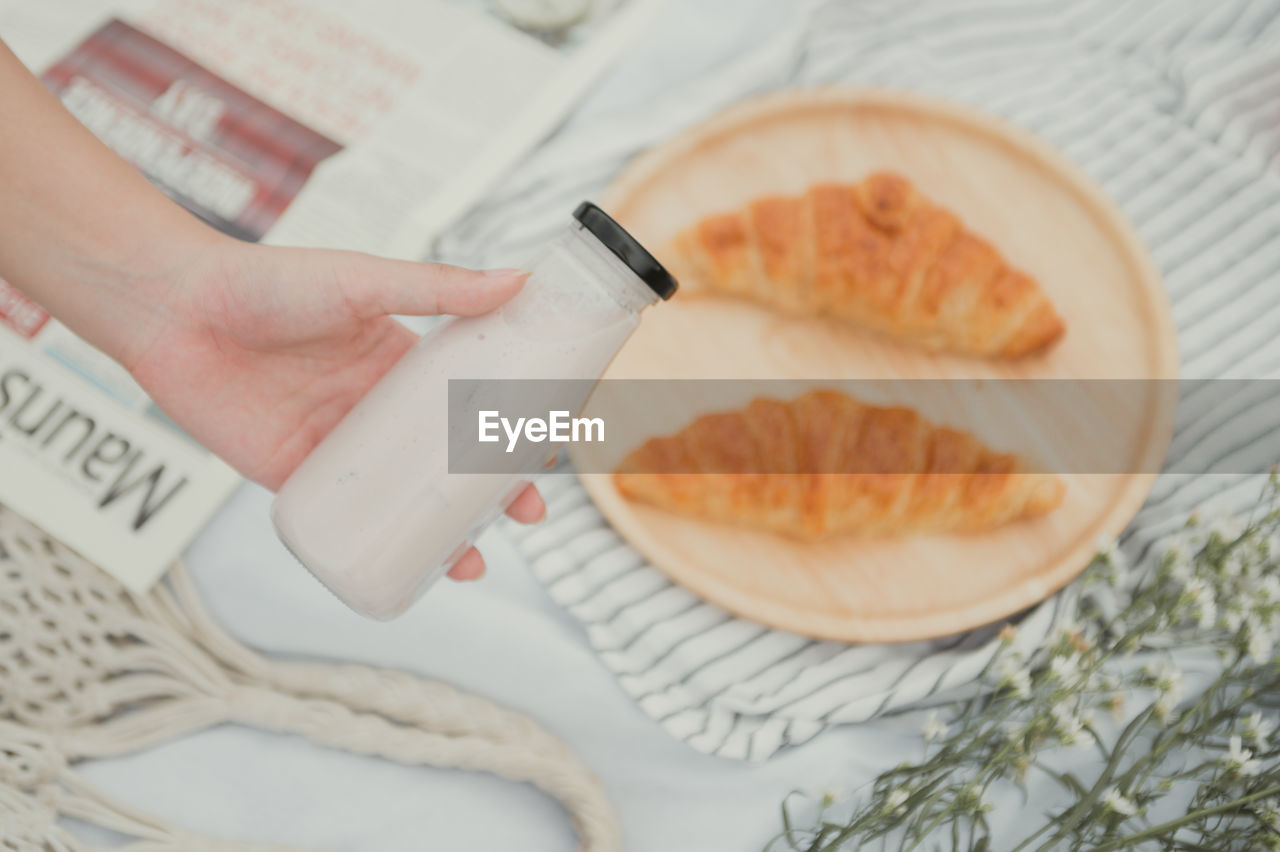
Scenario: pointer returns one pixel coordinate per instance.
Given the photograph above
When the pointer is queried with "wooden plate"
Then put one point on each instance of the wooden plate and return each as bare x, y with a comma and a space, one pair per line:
1047, 218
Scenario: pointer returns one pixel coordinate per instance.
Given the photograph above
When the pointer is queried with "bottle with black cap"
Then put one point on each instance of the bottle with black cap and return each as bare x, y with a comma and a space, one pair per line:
399, 490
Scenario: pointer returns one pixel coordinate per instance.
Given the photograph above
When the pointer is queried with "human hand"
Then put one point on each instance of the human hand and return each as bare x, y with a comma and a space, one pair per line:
258, 351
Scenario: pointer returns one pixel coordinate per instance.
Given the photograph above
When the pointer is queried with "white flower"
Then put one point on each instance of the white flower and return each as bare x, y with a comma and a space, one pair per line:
895, 800
1070, 726
1198, 590
1178, 561
1118, 803
1208, 614
1113, 557
1201, 596
934, 728
1241, 759
1269, 589
970, 801
1107, 548
1268, 812
1233, 618
1167, 678
1260, 643
1021, 682
1226, 528
1258, 728
1015, 677
1065, 667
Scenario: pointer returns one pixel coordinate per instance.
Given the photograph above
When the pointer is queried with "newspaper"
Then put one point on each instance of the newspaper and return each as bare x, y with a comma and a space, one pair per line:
364, 126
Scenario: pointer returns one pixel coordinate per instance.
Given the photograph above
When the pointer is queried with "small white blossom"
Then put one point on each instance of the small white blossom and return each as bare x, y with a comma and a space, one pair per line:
1207, 615
1234, 565
1021, 682
1258, 729
1268, 591
1015, 677
934, 728
1118, 803
1197, 590
1268, 812
1113, 557
1204, 606
1178, 561
1108, 549
1226, 528
1260, 644
970, 800
1241, 759
1233, 618
1167, 678
895, 800
1065, 667
1093, 682
1070, 726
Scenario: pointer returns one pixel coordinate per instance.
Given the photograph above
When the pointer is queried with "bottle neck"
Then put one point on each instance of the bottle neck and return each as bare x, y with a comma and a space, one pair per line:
630, 291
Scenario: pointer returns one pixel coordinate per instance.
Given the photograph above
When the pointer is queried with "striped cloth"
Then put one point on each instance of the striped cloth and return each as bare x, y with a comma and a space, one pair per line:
1173, 106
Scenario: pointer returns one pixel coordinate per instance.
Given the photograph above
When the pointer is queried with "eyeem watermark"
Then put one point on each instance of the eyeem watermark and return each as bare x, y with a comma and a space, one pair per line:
559, 427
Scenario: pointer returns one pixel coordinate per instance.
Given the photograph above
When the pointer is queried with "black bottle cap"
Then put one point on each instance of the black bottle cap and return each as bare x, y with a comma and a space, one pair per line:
628, 250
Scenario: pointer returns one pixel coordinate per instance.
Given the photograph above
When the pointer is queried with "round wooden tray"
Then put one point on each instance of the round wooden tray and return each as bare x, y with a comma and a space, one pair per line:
1044, 214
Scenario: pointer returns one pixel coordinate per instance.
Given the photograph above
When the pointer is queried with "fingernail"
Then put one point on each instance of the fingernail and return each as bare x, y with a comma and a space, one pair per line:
505, 273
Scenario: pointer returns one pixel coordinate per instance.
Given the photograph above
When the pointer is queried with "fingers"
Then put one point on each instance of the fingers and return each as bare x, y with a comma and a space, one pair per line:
528, 508
470, 566
377, 286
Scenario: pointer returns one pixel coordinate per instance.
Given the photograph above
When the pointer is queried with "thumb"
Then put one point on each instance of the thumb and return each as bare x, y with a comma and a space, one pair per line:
380, 286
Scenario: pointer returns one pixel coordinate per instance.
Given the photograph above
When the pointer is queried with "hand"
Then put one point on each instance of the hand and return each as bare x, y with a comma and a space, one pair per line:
258, 352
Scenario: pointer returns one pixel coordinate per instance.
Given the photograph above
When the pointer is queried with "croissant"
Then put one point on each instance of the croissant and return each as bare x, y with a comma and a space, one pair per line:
826, 464
877, 255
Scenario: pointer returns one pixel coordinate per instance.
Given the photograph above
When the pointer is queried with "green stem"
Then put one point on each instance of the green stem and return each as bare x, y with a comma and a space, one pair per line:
1162, 828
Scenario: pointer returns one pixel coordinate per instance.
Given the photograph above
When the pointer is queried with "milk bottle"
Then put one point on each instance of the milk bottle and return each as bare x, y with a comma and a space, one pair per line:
373, 512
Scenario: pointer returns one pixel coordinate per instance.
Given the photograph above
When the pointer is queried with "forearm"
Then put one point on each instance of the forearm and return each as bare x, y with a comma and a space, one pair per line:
81, 231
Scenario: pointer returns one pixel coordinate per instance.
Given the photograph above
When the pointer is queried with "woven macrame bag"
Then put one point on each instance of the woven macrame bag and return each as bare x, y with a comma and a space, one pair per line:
89, 670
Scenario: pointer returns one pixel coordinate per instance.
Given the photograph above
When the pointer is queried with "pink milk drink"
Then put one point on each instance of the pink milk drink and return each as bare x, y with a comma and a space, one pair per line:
374, 511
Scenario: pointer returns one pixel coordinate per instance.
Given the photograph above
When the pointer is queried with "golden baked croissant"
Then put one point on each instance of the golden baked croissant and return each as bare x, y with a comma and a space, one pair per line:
875, 254
826, 464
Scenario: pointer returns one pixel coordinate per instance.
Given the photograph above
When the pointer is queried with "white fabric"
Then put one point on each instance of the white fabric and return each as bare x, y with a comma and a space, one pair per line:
1171, 108
504, 638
